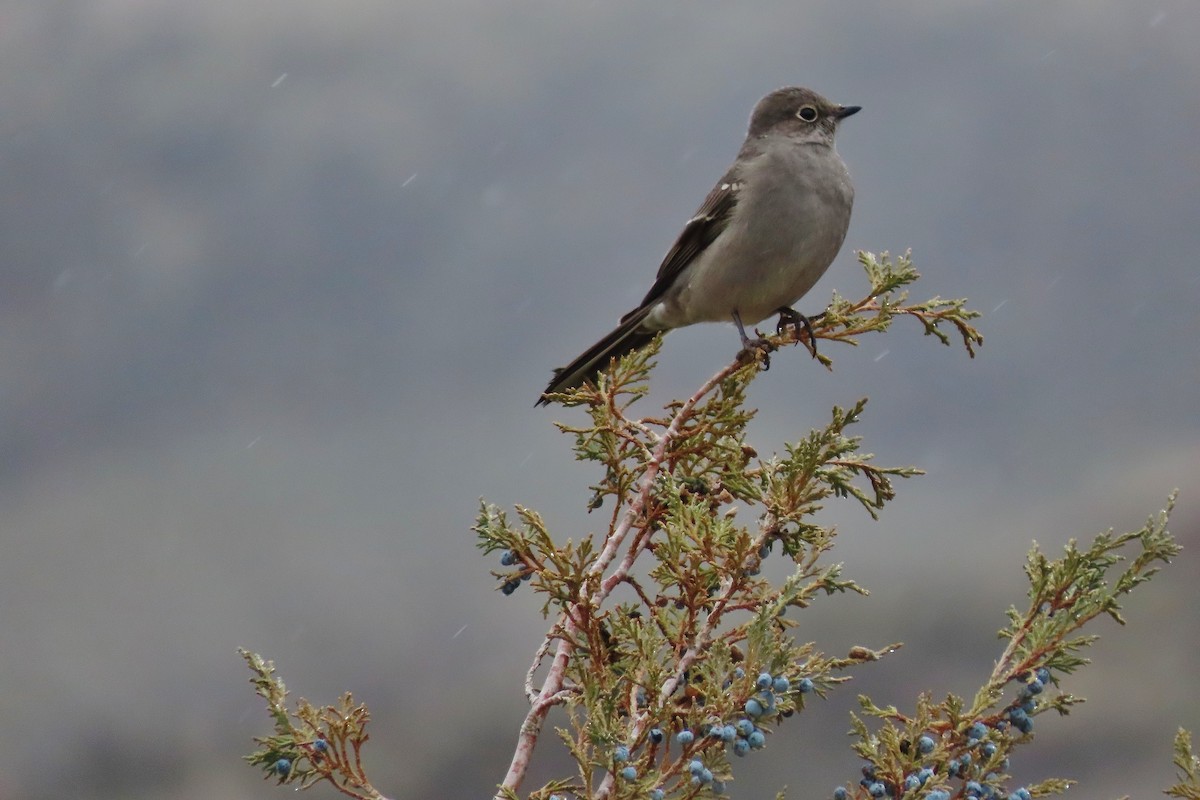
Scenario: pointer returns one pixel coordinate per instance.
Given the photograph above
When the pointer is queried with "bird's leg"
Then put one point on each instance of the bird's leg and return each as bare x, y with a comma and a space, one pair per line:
790, 316
749, 346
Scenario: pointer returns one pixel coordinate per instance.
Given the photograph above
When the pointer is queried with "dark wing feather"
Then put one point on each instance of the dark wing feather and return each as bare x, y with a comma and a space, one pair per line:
699, 232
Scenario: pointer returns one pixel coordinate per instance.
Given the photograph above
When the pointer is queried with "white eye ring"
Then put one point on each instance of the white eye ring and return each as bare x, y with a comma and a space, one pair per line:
807, 113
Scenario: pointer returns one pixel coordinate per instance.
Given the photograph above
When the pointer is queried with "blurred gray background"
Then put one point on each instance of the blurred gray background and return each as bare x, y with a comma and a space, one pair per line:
280, 282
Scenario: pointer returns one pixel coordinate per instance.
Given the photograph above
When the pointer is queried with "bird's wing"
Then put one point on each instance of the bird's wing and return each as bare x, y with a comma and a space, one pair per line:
700, 231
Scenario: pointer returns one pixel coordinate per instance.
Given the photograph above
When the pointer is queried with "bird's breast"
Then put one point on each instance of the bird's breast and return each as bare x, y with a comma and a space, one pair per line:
791, 220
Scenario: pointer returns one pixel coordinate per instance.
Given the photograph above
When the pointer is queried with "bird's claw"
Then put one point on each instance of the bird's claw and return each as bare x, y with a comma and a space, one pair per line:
790, 317
752, 349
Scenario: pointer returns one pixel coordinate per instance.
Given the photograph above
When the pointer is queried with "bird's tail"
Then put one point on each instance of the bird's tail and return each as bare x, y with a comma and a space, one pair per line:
627, 337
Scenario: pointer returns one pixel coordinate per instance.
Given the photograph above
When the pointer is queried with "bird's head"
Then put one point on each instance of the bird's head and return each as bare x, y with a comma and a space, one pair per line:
798, 112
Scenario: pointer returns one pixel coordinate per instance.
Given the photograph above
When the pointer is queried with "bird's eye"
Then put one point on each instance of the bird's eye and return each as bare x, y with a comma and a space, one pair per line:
807, 113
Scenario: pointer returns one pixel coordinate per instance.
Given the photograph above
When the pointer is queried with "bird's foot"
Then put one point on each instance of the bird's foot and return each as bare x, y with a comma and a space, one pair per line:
756, 349
752, 349
798, 322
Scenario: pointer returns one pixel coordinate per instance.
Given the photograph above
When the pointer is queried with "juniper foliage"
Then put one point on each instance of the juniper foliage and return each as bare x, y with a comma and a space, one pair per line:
669, 652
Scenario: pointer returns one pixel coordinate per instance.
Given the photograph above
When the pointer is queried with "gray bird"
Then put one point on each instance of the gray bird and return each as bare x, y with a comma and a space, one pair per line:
764, 235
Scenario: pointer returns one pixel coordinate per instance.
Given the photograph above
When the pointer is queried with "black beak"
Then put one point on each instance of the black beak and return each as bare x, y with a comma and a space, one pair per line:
841, 112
